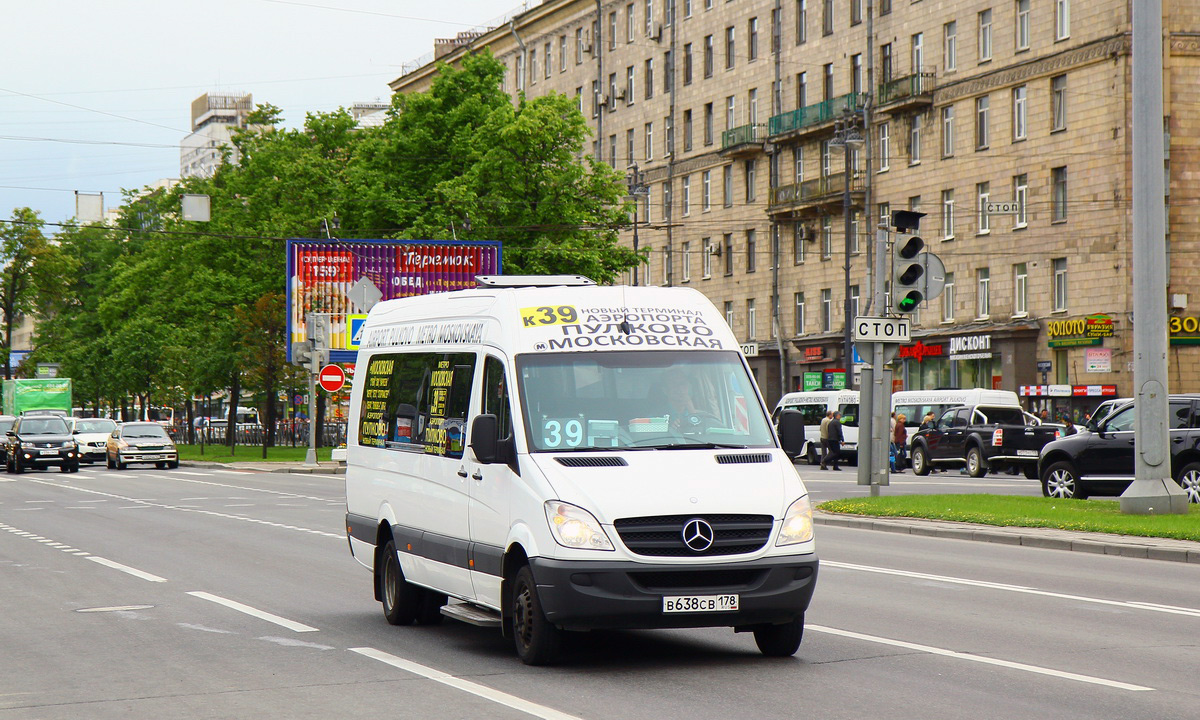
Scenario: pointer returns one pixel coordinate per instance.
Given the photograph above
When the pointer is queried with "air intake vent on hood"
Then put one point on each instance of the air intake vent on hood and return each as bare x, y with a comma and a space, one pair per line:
744, 459
604, 461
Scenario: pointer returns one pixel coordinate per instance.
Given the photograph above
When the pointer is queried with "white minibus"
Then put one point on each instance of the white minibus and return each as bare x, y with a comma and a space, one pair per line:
813, 406
542, 454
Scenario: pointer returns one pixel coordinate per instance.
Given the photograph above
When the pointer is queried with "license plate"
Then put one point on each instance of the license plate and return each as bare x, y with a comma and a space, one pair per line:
152, 457
700, 603
1027, 453
49, 452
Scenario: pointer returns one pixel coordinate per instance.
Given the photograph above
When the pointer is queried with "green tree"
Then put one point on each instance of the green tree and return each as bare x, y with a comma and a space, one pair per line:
26, 253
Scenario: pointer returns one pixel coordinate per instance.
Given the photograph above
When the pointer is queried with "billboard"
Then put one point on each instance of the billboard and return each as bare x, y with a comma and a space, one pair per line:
340, 278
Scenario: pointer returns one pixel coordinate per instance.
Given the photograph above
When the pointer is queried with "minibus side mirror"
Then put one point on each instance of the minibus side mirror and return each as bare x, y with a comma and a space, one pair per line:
485, 441
791, 432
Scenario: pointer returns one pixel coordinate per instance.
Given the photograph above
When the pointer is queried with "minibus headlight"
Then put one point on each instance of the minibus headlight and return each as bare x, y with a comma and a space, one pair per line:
575, 527
797, 526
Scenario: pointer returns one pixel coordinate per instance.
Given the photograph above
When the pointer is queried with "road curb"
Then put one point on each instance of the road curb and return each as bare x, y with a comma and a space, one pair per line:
265, 467
1045, 538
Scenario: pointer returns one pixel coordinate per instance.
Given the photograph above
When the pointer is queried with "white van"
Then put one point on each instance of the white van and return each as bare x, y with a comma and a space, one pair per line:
551, 455
813, 406
915, 403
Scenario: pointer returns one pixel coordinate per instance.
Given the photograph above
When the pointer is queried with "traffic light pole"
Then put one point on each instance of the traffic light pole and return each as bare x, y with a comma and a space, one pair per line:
875, 390
310, 457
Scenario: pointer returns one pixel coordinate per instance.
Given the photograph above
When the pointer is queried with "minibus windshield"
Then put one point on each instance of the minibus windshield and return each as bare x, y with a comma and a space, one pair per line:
639, 400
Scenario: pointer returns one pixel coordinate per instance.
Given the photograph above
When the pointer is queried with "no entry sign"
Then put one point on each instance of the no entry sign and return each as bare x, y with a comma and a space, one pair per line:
332, 378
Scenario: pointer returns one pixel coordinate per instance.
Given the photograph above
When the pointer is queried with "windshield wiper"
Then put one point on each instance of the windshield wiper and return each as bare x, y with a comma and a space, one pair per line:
703, 446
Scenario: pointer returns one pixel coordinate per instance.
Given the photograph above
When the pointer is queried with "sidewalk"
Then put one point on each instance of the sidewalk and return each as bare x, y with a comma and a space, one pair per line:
1051, 538
325, 468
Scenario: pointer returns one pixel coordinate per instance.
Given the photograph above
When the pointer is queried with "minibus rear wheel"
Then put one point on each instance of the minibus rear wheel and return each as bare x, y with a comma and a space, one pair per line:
400, 597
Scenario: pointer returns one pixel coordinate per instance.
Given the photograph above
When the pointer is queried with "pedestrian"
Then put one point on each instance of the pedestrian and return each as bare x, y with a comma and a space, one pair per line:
834, 442
825, 437
1044, 415
1069, 428
927, 422
900, 441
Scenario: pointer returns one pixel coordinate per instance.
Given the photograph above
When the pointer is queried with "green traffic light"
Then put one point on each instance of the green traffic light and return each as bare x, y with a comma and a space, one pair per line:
909, 302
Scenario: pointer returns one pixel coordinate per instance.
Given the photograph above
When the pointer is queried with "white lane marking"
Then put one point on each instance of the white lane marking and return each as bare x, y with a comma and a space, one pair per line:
231, 472
282, 493
487, 693
979, 659
242, 518
241, 505
126, 569
1132, 605
118, 608
254, 612
189, 472
193, 499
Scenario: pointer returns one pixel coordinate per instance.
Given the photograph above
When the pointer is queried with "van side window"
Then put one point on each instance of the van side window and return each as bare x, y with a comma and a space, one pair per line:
417, 402
495, 395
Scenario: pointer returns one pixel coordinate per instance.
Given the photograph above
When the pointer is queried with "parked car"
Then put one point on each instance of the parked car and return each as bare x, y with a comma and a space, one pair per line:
92, 435
40, 441
1102, 462
981, 437
140, 442
6, 423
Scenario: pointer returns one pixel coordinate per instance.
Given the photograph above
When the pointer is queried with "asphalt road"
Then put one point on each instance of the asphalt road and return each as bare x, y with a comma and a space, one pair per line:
225, 594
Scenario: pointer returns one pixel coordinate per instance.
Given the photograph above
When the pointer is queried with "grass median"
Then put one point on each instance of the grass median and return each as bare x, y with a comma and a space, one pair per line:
248, 453
1004, 510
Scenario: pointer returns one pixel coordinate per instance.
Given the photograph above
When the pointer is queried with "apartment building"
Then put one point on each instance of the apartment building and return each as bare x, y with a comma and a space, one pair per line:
734, 113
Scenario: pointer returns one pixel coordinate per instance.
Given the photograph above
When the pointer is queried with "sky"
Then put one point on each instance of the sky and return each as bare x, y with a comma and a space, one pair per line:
96, 96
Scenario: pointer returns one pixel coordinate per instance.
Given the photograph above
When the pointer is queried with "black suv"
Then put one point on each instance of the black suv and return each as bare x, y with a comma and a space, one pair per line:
1101, 462
39, 441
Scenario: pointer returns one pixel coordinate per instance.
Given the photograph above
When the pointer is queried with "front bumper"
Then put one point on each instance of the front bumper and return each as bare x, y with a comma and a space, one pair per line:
148, 456
47, 457
588, 595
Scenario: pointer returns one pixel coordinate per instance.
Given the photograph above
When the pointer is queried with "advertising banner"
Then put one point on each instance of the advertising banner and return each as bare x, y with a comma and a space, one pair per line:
336, 278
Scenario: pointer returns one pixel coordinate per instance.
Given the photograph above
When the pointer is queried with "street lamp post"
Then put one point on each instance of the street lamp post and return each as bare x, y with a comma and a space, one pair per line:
637, 189
847, 137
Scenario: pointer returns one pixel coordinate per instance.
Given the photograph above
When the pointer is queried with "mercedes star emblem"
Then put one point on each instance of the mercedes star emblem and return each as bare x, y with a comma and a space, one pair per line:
697, 534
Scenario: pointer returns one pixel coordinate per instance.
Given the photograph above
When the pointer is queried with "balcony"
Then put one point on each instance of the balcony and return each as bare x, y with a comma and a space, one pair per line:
811, 194
744, 140
906, 93
814, 117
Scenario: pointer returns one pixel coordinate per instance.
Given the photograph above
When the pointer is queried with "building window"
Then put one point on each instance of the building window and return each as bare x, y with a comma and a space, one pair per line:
752, 40
687, 195
1058, 103
708, 56
950, 45
1060, 284
886, 68
827, 81
799, 237
983, 300
948, 214
730, 112
727, 185
1058, 196
982, 106
668, 136
706, 192
801, 89
729, 313
801, 21
630, 153
751, 320
885, 146
751, 180
630, 82
826, 159
827, 18
856, 73
1062, 19
687, 130
649, 141
649, 18
855, 218
1022, 25
752, 106
826, 310
776, 31
885, 7
826, 237
685, 249
1020, 286
519, 70
706, 257
1019, 94
612, 150
984, 193
918, 52
985, 35
708, 123
649, 78
1020, 195
751, 250
730, 51
687, 64
533, 66
948, 299
798, 321
853, 301
728, 253
948, 131
914, 141
687, 8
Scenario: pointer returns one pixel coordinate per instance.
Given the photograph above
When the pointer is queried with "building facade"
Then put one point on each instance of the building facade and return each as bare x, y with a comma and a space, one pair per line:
1006, 121
214, 120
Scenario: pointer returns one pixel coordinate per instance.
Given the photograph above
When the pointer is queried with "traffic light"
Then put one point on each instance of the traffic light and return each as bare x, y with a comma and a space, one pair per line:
917, 275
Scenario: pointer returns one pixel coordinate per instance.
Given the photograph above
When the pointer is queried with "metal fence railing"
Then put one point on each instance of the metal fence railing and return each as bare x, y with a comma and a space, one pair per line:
287, 433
